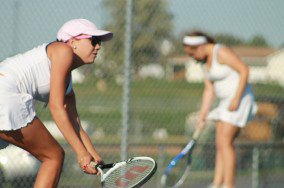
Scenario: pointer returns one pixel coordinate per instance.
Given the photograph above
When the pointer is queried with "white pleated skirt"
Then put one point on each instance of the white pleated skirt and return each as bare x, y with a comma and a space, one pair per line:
245, 112
16, 109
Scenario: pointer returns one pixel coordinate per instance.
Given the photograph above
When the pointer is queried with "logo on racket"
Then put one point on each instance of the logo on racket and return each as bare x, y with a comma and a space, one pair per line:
130, 174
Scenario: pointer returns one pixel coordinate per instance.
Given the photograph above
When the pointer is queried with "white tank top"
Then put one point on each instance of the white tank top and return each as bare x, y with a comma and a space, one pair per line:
225, 79
31, 72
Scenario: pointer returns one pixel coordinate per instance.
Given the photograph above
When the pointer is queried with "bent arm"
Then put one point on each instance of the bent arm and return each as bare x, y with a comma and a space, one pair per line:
226, 56
207, 98
61, 57
70, 105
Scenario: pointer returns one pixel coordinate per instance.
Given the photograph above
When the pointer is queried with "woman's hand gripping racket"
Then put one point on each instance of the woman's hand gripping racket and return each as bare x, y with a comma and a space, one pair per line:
178, 169
133, 172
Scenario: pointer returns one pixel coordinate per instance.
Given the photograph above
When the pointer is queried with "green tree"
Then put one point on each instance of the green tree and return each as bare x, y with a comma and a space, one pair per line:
151, 24
229, 39
257, 41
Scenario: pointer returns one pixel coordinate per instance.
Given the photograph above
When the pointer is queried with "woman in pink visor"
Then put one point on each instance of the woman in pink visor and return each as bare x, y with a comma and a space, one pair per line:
44, 74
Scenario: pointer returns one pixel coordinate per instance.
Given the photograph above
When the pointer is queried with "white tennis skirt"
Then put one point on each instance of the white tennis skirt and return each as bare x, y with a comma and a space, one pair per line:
245, 112
16, 109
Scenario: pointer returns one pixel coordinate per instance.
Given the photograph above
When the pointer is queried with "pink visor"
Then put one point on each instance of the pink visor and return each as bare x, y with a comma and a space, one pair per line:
80, 27
83, 37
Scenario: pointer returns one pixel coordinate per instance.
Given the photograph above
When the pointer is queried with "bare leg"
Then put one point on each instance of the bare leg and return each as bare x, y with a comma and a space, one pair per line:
219, 166
36, 139
226, 135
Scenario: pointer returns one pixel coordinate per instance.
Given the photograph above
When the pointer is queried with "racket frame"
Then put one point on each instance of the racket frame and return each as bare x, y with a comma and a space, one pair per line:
187, 150
113, 166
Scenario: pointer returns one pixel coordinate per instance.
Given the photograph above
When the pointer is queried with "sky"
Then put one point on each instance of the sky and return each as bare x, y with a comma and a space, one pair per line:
27, 23
242, 18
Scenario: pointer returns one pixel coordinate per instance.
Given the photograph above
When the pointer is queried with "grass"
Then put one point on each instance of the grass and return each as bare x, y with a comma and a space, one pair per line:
154, 104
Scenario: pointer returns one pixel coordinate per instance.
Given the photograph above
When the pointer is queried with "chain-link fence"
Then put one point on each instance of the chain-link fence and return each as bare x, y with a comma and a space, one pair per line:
165, 86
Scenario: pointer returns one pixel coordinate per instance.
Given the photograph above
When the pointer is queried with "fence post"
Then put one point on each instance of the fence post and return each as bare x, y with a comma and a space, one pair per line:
255, 167
126, 82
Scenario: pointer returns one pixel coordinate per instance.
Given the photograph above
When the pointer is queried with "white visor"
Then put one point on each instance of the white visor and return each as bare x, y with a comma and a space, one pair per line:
194, 40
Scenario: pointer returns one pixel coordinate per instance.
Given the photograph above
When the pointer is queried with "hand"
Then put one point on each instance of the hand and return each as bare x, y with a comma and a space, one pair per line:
97, 158
234, 104
201, 123
84, 162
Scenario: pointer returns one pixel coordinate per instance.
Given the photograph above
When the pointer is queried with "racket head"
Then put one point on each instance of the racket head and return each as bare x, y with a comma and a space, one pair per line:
178, 169
131, 173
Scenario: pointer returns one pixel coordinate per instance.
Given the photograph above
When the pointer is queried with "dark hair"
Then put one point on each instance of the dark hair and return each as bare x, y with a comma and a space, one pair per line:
200, 33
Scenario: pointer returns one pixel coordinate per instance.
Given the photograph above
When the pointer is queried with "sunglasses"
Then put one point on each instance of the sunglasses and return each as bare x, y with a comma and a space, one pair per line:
94, 40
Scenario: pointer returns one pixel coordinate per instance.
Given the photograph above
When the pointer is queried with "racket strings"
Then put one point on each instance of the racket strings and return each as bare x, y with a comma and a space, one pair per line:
178, 173
129, 174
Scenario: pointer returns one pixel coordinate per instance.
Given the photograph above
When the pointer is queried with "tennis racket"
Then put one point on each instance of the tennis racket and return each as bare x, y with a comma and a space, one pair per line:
179, 167
130, 173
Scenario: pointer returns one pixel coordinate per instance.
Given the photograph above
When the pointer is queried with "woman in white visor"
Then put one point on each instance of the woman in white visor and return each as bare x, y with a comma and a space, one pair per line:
226, 77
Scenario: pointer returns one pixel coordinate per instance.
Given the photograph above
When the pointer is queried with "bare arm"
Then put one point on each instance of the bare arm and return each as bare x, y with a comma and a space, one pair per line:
70, 105
207, 98
226, 56
61, 57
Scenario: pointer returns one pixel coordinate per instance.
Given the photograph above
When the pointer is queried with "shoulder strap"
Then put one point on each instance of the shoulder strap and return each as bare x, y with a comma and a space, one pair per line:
215, 53
69, 87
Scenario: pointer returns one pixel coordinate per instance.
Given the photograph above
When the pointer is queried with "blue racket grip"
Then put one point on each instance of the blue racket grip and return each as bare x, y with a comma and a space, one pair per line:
173, 162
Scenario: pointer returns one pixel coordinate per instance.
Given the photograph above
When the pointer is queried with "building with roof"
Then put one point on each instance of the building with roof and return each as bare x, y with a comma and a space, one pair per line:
264, 65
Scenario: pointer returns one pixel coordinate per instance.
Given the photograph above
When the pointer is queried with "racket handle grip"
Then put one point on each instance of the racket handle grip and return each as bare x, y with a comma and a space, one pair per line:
196, 134
93, 164
101, 166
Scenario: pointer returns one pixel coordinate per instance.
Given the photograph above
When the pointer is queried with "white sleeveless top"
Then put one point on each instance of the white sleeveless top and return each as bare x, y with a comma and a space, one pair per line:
31, 72
23, 78
225, 79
